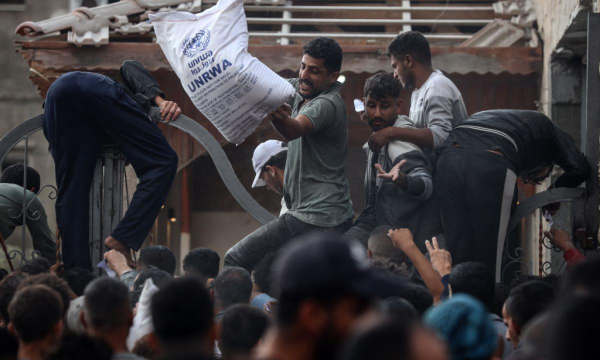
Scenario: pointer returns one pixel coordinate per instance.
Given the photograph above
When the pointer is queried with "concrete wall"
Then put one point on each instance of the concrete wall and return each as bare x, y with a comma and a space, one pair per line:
19, 100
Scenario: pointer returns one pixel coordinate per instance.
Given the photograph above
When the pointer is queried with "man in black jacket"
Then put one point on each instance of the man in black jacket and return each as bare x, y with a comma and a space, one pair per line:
478, 168
84, 111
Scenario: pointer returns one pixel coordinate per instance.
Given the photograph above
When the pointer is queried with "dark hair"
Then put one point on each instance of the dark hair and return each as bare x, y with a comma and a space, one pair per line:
34, 311
381, 86
573, 330
78, 278
233, 286
261, 275
418, 296
182, 310
527, 300
3, 274
202, 261
8, 288
242, 326
326, 49
36, 266
381, 246
277, 160
106, 304
14, 175
399, 307
55, 283
81, 346
160, 256
583, 277
475, 279
500, 295
388, 340
158, 276
411, 43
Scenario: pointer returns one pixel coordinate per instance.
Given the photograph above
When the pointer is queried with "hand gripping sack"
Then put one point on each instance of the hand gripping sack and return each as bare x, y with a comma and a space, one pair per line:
209, 53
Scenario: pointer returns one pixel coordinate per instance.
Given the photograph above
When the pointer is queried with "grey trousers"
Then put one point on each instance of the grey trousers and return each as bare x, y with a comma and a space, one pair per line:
271, 237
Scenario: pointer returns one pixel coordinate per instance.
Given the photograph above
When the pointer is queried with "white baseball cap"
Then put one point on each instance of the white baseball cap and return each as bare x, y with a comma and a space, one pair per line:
262, 154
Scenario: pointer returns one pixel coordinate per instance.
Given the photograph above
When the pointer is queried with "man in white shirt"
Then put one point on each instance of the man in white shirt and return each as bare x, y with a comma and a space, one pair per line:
436, 105
268, 161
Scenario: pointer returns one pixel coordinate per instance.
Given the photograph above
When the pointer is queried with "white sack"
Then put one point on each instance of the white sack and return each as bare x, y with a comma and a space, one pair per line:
209, 53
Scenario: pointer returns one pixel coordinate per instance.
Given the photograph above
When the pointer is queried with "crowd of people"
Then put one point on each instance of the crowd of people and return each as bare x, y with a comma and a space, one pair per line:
413, 277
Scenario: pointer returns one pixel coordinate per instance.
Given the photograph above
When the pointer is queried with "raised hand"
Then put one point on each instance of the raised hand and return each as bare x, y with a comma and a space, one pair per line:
441, 260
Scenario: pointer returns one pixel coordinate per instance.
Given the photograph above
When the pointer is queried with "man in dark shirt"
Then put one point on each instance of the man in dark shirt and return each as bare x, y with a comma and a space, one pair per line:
84, 111
478, 168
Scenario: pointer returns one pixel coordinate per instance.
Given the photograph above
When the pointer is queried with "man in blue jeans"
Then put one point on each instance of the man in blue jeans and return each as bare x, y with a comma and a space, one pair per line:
84, 111
315, 186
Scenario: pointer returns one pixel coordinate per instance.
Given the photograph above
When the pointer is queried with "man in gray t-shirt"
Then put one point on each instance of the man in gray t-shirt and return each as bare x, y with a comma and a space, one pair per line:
315, 189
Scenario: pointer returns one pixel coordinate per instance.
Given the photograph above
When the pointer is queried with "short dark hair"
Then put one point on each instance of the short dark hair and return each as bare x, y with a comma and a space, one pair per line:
277, 160
158, 276
500, 295
261, 275
8, 288
242, 326
233, 286
55, 283
35, 266
527, 300
81, 346
160, 256
380, 244
78, 278
106, 304
202, 261
411, 43
381, 86
182, 310
327, 49
399, 307
390, 339
34, 311
418, 296
583, 277
14, 175
475, 279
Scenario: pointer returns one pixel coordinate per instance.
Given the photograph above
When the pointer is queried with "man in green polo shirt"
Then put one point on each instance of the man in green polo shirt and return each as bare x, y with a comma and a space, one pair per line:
315, 187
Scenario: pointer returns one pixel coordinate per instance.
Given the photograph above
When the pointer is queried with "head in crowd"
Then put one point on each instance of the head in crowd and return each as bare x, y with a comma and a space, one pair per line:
203, 262
36, 319
3, 274
324, 285
395, 338
475, 279
232, 286
81, 346
182, 315
8, 288
106, 312
410, 55
146, 347
159, 278
157, 255
500, 295
524, 302
398, 307
268, 161
573, 330
418, 296
78, 278
242, 326
320, 67
382, 101
380, 246
55, 283
464, 323
14, 175
35, 266
583, 278
261, 275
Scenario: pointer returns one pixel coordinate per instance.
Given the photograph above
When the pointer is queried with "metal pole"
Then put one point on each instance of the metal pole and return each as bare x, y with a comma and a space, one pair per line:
285, 28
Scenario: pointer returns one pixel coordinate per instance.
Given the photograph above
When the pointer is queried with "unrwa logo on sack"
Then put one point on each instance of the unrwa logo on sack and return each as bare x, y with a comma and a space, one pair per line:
192, 46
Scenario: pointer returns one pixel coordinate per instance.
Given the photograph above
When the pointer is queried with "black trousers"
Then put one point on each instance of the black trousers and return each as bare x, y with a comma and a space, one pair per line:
476, 191
84, 111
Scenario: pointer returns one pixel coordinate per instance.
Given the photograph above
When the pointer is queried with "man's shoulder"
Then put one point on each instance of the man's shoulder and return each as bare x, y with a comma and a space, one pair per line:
440, 85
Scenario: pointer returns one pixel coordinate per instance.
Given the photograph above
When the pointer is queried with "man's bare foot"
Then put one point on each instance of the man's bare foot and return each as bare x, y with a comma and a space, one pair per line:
115, 244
